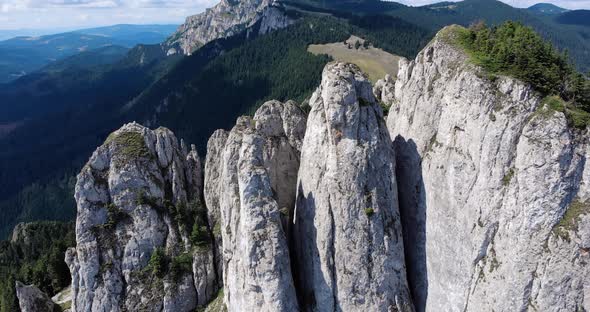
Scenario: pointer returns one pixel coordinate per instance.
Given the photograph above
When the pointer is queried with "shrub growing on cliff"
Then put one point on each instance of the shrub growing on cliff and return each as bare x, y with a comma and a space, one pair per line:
516, 50
180, 265
157, 262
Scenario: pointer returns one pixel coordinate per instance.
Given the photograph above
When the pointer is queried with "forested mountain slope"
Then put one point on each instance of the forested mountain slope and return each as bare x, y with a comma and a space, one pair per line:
201, 93
574, 39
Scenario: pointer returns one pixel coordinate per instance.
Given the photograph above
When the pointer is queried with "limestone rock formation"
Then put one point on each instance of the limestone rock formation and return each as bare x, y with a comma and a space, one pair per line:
348, 238
384, 89
226, 19
215, 148
257, 191
143, 242
493, 188
31, 299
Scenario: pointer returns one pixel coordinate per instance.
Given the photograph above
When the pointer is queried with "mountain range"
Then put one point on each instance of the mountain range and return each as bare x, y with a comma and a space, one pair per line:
22, 55
231, 60
147, 85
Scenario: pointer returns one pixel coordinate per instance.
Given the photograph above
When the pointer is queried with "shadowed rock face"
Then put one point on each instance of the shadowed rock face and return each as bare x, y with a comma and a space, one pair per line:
347, 231
140, 193
257, 190
493, 190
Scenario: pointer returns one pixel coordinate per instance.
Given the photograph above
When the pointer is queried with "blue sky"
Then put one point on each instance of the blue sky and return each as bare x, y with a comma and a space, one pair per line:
55, 14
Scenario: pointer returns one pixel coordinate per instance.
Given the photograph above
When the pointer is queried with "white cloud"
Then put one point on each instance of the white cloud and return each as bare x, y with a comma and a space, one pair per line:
569, 4
86, 13
43, 14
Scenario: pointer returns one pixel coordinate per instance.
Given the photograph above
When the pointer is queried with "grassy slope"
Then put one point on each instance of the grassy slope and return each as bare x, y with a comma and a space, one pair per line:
376, 63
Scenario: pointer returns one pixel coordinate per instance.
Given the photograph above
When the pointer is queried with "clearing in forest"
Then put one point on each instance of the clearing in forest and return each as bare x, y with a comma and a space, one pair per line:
376, 63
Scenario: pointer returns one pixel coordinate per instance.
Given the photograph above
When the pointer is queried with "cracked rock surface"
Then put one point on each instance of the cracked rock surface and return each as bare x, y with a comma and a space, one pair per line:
257, 191
493, 189
347, 230
139, 196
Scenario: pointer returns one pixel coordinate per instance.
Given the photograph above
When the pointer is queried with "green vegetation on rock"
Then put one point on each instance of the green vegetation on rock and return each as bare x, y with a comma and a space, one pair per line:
515, 50
216, 305
180, 265
508, 177
569, 221
36, 257
132, 144
157, 263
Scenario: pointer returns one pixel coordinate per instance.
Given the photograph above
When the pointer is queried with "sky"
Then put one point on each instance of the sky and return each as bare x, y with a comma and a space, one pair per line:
72, 14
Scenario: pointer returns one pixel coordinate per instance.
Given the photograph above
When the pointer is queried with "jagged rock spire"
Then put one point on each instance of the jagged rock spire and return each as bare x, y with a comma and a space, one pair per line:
348, 239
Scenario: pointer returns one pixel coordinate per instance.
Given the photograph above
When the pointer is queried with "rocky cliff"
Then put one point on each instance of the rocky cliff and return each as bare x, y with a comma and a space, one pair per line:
473, 196
226, 19
349, 248
143, 240
493, 188
258, 175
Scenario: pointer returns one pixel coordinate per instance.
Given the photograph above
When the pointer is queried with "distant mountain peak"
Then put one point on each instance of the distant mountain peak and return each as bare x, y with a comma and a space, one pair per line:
225, 19
547, 8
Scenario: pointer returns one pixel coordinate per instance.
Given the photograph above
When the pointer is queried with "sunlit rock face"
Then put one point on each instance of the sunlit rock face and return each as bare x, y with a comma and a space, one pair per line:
493, 189
142, 236
347, 230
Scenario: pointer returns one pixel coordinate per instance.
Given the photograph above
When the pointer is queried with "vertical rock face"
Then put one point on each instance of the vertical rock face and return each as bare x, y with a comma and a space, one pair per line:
225, 19
493, 189
31, 299
215, 148
257, 186
347, 232
142, 234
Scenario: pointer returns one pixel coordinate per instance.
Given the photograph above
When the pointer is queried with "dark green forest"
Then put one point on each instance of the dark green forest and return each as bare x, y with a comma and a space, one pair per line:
571, 35
37, 257
274, 66
204, 93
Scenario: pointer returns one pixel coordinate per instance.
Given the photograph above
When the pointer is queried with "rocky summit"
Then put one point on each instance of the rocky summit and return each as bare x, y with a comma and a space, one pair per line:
471, 195
228, 18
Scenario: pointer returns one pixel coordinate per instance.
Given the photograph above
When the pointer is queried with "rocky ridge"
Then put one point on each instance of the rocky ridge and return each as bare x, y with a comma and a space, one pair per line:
226, 19
348, 242
472, 196
142, 234
493, 191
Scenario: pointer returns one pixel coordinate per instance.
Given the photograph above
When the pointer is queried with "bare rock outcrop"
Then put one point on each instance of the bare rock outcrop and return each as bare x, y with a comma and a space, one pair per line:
143, 242
493, 188
213, 161
226, 19
384, 89
31, 299
257, 192
347, 231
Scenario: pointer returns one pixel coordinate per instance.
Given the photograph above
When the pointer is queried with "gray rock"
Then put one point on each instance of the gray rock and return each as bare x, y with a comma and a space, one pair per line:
215, 147
31, 299
140, 192
493, 189
225, 19
257, 270
348, 239
384, 89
